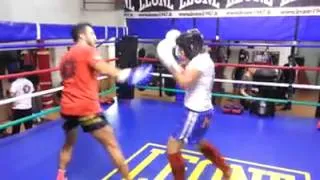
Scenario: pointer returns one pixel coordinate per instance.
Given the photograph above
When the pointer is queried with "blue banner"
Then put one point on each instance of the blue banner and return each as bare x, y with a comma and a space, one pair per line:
149, 28
208, 27
257, 28
11, 31
112, 32
309, 28
100, 32
121, 32
183, 24
55, 31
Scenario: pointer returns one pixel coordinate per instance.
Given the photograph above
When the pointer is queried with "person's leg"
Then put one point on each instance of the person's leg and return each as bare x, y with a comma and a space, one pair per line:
206, 148
16, 114
28, 124
99, 127
106, 137
175, 158
212, 153
70, 129
176, 142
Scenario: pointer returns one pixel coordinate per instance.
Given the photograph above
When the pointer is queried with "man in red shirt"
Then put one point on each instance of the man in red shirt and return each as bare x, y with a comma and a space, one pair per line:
80, 99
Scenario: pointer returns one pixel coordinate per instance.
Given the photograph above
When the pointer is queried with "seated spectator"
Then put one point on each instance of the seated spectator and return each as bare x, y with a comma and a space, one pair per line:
247, 89
237, 75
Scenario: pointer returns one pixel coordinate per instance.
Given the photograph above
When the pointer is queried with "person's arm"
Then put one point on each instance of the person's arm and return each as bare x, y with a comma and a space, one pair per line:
129, 75
186, 78
98, 64
243, 91
13, 90
106, 68
243, 88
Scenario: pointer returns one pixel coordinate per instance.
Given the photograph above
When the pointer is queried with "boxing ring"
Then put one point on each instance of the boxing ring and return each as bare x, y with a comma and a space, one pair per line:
283, 146
257, 148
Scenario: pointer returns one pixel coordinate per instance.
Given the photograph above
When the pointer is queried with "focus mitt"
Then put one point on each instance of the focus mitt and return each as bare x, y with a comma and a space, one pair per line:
133, 76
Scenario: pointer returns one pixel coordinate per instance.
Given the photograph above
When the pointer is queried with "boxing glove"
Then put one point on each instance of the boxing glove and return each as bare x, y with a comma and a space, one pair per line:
134, 76
165, 50
173, 34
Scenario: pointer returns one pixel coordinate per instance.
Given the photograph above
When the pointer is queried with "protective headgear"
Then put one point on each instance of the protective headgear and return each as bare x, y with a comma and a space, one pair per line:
191, 42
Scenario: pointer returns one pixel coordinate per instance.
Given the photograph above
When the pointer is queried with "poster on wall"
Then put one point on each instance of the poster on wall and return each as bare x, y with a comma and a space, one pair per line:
219, 8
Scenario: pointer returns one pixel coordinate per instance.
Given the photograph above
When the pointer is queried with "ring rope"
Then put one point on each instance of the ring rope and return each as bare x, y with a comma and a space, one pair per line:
306, 103
50, 91
39, 93
309, 68
16, 75
56, 109
46, 112
256, 44
297, 86
42, 71
23, 74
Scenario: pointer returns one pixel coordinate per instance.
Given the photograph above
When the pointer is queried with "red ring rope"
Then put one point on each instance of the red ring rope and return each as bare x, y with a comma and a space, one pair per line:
145, 59
270, 66
23, 74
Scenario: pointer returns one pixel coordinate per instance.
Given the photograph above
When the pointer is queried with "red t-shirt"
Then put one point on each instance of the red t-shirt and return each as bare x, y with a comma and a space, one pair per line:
80, 94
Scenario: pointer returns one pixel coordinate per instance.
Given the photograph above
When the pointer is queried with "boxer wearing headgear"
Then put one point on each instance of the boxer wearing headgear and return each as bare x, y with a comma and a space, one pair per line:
197, 80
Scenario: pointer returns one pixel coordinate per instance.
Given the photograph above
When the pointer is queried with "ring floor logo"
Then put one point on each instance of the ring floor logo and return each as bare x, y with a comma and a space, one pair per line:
150, 162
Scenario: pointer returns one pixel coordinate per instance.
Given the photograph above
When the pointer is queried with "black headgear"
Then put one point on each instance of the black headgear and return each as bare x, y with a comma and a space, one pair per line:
191, 42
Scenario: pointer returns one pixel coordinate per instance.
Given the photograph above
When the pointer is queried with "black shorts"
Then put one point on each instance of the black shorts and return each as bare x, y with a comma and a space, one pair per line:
88, 123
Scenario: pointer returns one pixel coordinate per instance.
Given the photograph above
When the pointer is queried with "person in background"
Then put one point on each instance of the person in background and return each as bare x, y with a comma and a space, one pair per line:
288, 76
246, 89
23, 107
238, 72
36, 101
219, 54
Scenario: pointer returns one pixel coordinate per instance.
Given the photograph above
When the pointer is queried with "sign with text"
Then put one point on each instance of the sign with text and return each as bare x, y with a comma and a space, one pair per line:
219, 8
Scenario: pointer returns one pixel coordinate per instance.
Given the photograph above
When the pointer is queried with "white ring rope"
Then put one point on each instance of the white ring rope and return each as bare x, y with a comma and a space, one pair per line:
40, 93
298, 86
50, 91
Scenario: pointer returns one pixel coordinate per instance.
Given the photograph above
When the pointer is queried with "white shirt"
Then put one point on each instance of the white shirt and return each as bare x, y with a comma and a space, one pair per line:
198, 97
22, 86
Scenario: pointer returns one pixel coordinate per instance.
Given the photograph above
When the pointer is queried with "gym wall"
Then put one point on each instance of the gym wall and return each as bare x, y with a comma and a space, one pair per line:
57, 11
61, 12
312, 58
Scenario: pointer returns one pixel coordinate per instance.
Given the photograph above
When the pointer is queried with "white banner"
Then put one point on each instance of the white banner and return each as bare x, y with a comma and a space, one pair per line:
243, 12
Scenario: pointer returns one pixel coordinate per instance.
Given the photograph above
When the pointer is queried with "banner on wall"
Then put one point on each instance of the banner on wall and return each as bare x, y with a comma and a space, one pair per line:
219, 8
